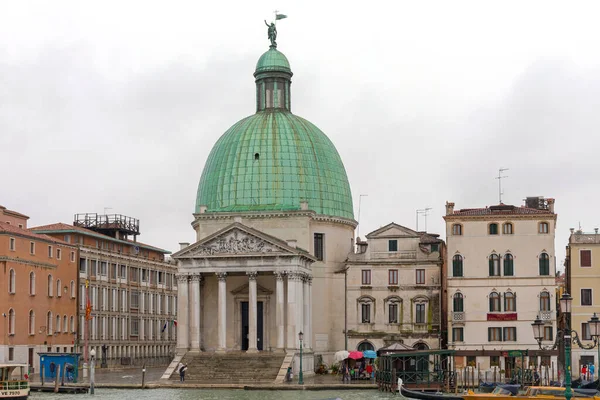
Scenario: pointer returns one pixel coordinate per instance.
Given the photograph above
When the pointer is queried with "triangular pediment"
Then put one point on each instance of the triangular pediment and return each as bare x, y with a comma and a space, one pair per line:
244, 289
392, 230
238, 240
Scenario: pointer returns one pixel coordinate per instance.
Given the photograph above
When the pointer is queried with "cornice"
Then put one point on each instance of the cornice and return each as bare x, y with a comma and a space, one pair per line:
511, 217
27, 262
131, 260
272, 214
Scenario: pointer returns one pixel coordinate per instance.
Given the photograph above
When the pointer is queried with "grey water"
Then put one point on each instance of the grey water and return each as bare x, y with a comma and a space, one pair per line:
216, 394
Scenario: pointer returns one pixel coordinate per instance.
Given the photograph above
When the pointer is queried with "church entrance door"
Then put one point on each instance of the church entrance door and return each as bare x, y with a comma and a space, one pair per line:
246, 325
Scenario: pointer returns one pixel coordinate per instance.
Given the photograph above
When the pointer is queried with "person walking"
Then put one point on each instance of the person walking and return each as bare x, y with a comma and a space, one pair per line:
591, 370
182, 370
345, 373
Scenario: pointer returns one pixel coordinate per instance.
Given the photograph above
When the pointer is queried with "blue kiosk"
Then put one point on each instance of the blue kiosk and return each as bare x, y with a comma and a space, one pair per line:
52, 364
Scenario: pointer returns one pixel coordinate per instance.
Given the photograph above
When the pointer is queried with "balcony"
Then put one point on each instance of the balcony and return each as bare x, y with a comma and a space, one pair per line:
458, 316
546, 315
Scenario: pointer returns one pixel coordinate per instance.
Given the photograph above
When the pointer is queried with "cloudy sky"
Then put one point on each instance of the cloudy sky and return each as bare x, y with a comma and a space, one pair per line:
117, 104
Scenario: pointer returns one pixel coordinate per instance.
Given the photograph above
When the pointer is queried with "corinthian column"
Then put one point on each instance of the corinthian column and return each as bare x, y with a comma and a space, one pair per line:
279, 310
252, 311
291, 310
195, 312
222, 318
182, 313
306, 313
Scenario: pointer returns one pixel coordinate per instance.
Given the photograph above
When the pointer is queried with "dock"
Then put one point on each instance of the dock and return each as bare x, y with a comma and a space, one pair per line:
61, 389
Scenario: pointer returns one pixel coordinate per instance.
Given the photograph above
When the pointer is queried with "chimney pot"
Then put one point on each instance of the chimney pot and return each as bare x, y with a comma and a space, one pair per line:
449, 208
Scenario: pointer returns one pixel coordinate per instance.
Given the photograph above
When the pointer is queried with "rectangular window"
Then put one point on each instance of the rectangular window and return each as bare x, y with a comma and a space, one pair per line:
543, 227
548, 333
586, 297
458, 335
392, 245
366, 277
495, 361
67, 238
420, 276
82, 266
135, 299
11, 354
133, 274
366, 313
50, 251
113, 271
585, 258
319, 251
493, 229
471, 361
12, 244
585, 331
510, 334
123, 271
31, 248
420, 314
393, 277
93, 265
144, 275
435, 247
58, 254
72, 256
494, 334
507, 228
393, 313
103, 268
135, 327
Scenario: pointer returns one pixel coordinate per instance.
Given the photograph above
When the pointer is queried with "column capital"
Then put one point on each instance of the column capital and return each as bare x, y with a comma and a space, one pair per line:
252, 275
196, 277
221, 276
309, 279
294, 276
182, 277
279, 275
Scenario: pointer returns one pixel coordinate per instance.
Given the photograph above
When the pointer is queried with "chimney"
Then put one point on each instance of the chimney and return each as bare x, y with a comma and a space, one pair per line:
304, 205
183, 245
203, 209
551, 205
292, 243
449, 208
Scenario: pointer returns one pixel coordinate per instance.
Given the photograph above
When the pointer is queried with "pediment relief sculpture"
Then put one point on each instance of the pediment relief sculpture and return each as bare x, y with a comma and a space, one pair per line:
235, 242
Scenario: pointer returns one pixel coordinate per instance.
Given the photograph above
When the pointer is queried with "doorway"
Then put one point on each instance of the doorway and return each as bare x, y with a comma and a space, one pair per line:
30, 360
246, 325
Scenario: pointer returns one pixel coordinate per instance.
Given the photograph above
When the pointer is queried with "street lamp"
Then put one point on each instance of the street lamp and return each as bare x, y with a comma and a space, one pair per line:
594, 326
300, 375
92, 369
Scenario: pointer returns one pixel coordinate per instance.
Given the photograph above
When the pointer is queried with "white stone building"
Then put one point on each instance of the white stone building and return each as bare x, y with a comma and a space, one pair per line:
394, 285
501, 275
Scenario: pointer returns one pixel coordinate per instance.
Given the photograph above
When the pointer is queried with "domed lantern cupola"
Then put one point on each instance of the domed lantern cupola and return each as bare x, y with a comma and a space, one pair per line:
273, 79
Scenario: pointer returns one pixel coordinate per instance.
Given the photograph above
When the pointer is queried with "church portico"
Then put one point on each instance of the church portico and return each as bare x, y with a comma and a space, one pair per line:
252, 285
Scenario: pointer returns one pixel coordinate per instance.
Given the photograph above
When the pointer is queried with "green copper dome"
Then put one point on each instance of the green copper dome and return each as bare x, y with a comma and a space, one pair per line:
274, 160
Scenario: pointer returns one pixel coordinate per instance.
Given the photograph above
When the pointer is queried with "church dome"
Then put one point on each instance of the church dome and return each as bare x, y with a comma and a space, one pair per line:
274, 160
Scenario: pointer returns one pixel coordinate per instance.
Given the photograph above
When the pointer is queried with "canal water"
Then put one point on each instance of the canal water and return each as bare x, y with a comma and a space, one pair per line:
217, 394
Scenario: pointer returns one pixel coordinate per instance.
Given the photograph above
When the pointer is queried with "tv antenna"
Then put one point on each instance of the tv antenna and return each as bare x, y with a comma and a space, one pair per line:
424, 212
359, 203
500, 177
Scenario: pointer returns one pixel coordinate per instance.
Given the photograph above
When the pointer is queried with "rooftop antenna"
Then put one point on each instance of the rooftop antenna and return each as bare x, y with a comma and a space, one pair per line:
424, 212
500, 177
359, 203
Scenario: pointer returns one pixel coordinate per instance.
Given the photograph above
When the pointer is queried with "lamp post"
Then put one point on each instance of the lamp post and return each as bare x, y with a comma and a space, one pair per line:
594, 325
92, 369
300, 375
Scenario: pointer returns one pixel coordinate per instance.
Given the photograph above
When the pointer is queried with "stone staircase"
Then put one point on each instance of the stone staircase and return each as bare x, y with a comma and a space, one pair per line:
231, 367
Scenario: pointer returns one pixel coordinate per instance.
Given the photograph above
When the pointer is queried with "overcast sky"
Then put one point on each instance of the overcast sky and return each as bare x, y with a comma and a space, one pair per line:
118, 103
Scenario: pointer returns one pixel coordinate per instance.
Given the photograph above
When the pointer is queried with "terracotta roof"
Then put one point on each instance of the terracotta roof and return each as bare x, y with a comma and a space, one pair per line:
502, 209
16, 214
58, 227
427, 238
15, 230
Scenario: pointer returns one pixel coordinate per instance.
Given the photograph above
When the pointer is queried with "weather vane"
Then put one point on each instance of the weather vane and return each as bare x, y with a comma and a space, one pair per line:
272, 33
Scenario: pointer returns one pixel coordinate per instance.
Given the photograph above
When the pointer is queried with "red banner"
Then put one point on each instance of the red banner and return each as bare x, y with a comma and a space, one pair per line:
502, 317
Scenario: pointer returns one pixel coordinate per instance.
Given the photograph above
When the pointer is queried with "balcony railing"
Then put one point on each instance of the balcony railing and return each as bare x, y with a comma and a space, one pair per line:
458, 316
546, 315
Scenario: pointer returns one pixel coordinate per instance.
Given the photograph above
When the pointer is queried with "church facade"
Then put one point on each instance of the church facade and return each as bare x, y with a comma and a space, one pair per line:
274, 226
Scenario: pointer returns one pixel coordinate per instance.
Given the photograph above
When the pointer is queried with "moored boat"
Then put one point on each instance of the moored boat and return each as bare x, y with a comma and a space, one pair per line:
533, 392
10, 387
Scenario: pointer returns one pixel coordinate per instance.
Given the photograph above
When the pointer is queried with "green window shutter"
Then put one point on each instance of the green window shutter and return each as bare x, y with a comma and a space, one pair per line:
491, 264
489, 334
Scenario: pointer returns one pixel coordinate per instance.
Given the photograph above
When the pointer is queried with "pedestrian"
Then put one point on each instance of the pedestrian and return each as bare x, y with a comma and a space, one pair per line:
584, 371
592, 370
182, 373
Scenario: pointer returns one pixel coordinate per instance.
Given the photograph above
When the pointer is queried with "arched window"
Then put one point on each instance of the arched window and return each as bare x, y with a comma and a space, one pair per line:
493, 228
31, 322
65, 324
458, 302
509, 269
57, 327
58, 291
494, 261
363, 346
32, 283
50, 286
49, 323
72, 323
393, 309
421, 304
366, 309
457, 265
12, 281
544, 301
507, 228
72, 289
495, 302
457, 229
544, 264
11, 322
510, 301
421, 346
543, 227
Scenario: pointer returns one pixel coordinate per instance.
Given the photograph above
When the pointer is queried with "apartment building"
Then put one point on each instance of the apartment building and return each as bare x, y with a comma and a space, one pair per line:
502, 268
394, 294
129, 286
38, 299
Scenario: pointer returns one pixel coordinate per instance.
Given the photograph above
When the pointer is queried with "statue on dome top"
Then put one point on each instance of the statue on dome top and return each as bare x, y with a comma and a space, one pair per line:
272, 34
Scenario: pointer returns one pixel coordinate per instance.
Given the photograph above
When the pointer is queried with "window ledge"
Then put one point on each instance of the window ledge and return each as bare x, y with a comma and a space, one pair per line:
366, 287
393, 287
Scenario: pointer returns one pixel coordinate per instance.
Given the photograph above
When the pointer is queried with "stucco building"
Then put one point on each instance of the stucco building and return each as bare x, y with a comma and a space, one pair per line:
38, 299
131, 289
583, 283
501, 275
274, 225
394, 295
